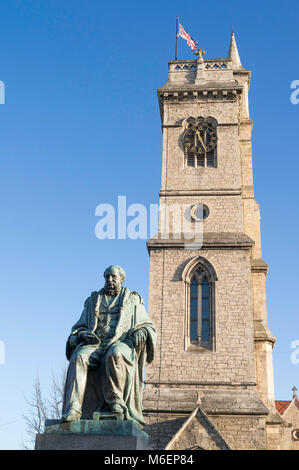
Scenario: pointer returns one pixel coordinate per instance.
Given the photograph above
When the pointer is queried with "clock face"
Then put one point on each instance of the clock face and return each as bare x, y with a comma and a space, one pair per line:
200, 138
193, 140
189, 140
211, 138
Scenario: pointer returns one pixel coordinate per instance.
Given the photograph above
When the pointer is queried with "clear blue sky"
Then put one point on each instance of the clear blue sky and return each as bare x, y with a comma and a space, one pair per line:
81, 125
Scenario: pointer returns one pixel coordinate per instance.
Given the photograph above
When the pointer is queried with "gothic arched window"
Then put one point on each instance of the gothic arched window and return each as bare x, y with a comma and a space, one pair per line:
200, 279
200, 142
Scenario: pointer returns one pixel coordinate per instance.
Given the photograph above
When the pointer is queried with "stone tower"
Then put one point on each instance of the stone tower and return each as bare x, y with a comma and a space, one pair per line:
211, 384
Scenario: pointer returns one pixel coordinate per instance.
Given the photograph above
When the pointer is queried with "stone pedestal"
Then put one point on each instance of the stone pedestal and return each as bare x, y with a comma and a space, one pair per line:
92, 435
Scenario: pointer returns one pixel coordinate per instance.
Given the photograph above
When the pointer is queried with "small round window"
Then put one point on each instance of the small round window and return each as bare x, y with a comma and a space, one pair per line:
199, 212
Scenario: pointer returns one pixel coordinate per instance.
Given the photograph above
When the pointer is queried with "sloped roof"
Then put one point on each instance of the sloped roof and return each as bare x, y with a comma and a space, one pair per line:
197, 433
282, 405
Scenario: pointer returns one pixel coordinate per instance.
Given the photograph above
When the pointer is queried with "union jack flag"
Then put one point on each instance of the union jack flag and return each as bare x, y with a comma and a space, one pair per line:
191, 43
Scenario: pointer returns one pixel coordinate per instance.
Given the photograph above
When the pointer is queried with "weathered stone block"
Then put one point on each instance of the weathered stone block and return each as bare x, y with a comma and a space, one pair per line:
92, 435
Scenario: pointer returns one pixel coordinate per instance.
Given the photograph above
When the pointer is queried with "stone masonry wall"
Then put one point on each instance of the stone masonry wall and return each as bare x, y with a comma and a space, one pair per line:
228, 173
240, 432
225, 213
233, 359
291, 416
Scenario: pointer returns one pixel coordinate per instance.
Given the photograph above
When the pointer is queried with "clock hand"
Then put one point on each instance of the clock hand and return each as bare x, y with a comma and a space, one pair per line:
201, 141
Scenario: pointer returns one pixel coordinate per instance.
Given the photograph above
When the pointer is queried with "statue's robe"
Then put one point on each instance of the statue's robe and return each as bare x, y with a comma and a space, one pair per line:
132, 317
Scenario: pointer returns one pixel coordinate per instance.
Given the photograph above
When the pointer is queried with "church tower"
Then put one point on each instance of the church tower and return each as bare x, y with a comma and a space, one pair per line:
211, 383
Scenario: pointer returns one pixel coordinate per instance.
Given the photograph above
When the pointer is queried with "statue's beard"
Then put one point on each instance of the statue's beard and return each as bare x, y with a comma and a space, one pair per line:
112, 290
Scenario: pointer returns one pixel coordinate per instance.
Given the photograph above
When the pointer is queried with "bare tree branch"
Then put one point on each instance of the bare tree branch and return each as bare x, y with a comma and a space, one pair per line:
40, 408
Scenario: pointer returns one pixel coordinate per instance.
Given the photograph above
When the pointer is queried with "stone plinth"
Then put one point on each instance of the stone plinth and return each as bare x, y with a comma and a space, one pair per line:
92, 435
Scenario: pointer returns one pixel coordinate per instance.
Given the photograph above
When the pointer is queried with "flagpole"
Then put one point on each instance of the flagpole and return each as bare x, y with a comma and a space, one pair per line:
176, 39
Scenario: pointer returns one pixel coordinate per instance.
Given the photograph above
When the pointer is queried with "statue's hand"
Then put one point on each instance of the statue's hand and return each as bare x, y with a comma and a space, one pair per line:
89, 338
139, 337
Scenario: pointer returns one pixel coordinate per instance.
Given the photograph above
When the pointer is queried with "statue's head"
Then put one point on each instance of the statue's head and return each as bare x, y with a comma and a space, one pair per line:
114, 277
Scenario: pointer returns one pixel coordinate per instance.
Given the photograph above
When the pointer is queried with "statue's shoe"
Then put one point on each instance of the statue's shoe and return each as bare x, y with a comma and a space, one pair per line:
118, 411
71, 415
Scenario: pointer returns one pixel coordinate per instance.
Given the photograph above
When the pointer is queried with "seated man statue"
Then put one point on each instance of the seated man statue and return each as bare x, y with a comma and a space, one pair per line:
114, 337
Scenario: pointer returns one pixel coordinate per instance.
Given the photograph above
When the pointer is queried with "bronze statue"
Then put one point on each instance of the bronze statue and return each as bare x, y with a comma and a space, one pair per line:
107, 349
